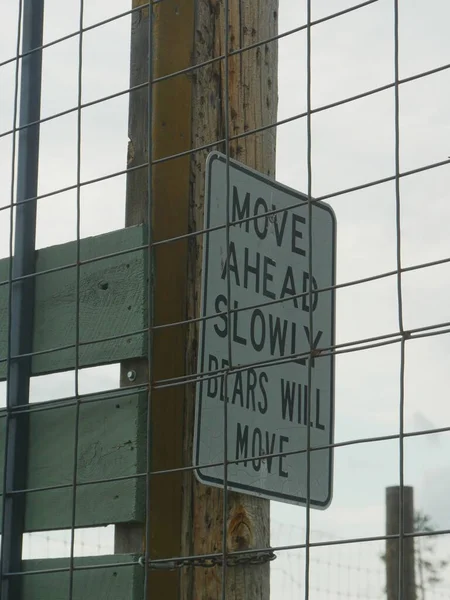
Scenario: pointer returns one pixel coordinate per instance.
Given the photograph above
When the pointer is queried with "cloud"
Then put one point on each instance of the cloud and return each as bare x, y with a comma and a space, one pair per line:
432, 497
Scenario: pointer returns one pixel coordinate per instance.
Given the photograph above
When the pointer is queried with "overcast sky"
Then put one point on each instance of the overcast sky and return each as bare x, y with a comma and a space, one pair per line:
352, 144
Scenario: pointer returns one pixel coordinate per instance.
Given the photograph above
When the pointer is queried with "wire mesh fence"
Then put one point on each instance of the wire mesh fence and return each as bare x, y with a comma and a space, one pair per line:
334, 378
344, 573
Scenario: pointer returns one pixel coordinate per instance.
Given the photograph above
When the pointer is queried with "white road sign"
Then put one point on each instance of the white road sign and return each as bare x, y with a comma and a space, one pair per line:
267, 260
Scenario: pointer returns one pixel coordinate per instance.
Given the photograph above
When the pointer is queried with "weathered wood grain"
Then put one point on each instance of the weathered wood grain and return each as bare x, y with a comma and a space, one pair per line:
112, 303
111, 444
252, 93
172, 37
106, 583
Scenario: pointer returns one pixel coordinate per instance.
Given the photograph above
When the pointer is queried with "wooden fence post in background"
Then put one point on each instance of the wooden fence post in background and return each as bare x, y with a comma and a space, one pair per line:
393, 546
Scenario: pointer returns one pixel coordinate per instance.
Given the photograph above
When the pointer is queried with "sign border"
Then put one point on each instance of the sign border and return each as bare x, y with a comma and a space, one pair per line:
215, 481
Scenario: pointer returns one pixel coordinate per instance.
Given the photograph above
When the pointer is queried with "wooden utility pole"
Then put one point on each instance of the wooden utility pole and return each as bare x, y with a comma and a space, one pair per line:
393, 499
253, 99
188, 112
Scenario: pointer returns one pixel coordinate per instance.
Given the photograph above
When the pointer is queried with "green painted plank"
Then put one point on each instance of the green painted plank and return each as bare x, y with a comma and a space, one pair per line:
112, 302
105, 583
112, 442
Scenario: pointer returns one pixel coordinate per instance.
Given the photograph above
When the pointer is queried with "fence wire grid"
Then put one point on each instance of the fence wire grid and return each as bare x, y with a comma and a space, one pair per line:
105, 130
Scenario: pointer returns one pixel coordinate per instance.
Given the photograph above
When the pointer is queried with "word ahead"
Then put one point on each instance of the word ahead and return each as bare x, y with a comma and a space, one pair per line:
262, 349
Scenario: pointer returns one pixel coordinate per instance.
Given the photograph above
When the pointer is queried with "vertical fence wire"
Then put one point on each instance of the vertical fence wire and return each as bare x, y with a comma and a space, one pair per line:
226, 102
77, 303
309, 182
401, 570
5, 561
151, 262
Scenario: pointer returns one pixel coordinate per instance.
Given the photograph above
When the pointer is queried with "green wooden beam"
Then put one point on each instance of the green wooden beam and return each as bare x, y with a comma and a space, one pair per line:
112, 442
112, 302
104, 583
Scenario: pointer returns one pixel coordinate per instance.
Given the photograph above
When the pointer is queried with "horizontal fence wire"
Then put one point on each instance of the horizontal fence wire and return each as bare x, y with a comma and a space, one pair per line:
175, 73
325, 543
297, 576
344, 575
188, 69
